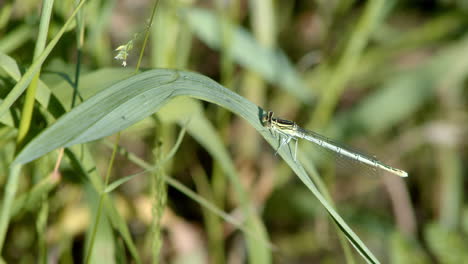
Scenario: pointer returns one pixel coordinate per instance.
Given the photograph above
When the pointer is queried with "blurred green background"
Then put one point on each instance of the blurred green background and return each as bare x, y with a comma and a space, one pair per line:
385, 77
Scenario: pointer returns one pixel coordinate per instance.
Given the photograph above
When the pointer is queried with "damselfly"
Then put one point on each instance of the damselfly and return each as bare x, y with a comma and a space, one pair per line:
288, 130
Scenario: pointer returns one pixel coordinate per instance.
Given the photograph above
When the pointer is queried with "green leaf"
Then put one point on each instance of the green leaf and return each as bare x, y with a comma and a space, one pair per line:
22, 84
137, 97
16, 38
90, 84
43, 94
10, 66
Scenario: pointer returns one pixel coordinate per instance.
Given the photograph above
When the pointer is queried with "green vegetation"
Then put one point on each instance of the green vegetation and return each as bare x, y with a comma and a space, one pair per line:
130, 132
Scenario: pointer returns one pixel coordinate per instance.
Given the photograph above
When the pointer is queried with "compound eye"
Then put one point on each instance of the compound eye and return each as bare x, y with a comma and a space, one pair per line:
267, 118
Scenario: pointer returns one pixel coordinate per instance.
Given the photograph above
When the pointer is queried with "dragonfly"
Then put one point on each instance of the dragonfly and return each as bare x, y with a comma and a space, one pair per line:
289, 130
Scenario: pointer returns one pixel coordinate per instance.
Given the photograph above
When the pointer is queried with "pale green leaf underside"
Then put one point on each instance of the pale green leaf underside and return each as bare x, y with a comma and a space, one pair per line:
131, 100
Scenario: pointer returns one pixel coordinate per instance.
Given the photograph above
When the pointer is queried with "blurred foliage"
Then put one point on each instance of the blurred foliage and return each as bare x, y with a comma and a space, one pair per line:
386, 77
